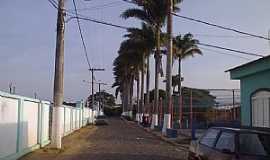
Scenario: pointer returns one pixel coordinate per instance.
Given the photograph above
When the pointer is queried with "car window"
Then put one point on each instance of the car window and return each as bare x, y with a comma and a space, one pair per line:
254, 144
210, 137
226, 141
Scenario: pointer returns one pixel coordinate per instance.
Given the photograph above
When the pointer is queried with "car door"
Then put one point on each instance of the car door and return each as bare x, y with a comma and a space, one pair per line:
253, 146
225, 146
206, 144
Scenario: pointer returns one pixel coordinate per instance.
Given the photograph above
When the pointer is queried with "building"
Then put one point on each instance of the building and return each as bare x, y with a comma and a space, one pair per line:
255, 91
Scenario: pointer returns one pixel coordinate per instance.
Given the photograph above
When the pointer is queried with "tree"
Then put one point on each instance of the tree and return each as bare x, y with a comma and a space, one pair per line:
125, 70
175, 81
153, 13
184, 47
105, 98
144, 40
131, 61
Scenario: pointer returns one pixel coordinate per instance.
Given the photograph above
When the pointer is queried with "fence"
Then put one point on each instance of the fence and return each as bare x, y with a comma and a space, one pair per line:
25, 123
200, 106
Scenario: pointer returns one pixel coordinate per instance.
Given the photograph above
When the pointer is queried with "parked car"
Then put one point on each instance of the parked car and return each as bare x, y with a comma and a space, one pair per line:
221, 143
101, 120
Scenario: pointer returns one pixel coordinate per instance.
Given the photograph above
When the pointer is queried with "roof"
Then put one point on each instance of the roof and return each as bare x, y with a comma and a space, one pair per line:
249, 63
249, 68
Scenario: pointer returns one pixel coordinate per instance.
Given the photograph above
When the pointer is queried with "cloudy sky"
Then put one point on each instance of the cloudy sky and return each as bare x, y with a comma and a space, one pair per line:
28, 32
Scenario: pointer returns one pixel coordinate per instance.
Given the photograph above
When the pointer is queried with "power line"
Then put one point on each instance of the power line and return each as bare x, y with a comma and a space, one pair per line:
220, 36
82, 17
231, 50
81, 35
218, 52
203, 44
214, 25
221, 27
103, 22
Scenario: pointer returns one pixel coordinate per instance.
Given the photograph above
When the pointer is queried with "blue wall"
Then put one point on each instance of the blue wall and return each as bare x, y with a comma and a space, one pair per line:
249, 85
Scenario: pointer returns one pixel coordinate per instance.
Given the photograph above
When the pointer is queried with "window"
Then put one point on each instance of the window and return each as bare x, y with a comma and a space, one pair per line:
210, 137
254, 144
226, 141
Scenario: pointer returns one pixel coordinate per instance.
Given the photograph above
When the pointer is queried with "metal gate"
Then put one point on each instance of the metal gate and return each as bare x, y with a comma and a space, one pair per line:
261, 109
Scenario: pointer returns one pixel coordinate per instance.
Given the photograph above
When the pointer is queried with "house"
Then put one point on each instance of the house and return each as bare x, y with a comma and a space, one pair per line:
255, 91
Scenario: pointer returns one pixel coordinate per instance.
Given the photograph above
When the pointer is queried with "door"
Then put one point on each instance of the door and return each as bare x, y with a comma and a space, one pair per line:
260, 109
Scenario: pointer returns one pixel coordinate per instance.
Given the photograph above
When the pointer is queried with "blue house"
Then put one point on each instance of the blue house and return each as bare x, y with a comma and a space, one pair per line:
255, 92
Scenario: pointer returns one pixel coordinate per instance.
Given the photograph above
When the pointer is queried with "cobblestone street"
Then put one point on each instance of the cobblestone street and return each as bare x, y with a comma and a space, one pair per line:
117, 141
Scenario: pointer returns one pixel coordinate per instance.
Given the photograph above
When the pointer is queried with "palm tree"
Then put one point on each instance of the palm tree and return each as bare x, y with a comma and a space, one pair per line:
132, 52
145, 42
154, 13
184, 46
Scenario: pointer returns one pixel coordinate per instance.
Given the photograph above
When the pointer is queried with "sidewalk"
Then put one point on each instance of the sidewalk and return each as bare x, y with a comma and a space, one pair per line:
72, 144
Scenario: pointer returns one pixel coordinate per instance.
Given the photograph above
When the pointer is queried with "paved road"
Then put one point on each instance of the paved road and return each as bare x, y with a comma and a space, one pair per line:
117, 141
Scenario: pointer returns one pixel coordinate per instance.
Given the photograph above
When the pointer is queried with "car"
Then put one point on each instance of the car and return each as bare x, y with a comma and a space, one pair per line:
100, 120
222, 143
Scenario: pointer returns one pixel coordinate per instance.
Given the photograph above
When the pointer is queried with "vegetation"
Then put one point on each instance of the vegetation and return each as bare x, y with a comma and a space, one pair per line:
154, 14
132, 61
105, 98
184, 47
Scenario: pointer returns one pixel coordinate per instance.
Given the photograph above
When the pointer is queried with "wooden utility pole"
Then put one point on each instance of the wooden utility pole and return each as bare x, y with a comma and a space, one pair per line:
58, 78
99, 95
168, 108
92, 73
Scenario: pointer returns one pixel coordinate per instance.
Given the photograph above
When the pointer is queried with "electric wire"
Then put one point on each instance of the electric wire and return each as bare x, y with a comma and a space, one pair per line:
221, 27
81, 35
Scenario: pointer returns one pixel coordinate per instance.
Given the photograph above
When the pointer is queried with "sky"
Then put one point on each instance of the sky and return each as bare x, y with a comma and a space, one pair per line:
28, 35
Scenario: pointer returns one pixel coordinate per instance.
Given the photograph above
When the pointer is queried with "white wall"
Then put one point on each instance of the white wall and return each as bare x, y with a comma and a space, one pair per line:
8, 125
24, 123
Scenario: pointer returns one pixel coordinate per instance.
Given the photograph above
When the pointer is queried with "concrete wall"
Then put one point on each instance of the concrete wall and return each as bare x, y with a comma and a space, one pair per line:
24, 123
249, 85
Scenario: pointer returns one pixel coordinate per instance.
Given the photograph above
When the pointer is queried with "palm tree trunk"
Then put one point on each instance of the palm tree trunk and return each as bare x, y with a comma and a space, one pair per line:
180, 77
156, 97
147, 82
142, 86
138, 97
125, 98
180, 91
131, 97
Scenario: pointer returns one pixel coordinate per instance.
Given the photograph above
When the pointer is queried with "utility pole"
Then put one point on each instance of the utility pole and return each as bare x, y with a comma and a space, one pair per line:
99, 95
58, 91
92, 73
168, 108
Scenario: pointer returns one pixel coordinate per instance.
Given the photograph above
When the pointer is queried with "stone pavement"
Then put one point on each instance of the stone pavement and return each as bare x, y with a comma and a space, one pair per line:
117, 141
